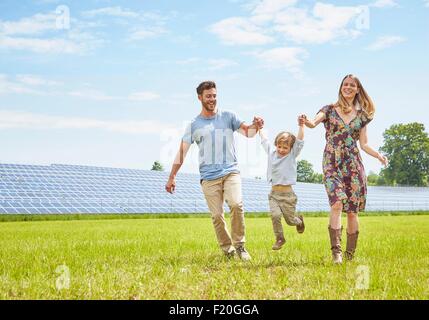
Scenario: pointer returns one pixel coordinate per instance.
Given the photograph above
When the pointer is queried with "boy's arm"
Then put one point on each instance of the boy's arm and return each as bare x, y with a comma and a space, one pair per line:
300, 135
264, 141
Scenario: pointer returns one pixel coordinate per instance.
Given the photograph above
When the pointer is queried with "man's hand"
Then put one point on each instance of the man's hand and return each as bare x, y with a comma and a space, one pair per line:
171, 185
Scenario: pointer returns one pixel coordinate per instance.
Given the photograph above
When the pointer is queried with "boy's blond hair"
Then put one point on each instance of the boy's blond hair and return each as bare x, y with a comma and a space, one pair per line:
285, 137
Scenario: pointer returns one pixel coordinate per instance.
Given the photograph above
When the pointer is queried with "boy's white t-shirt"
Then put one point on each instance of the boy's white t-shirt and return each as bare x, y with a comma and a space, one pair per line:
282, 170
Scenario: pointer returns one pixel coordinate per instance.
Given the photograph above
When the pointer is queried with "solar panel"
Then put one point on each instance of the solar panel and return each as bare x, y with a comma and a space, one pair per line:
60, 188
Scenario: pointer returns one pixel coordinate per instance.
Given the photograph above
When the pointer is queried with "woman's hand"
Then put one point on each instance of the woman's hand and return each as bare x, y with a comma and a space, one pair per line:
312, 123
383, 159
302, 118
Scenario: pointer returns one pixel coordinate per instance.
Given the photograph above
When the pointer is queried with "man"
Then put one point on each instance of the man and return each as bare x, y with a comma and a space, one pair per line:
213, 130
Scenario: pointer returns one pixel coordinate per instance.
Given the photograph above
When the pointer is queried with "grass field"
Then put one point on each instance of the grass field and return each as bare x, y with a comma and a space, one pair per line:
180, 259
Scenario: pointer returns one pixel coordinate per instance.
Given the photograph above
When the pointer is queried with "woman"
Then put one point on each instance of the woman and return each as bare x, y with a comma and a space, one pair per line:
344, 175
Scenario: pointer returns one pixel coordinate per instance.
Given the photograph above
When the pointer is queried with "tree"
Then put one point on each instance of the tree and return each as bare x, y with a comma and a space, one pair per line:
407, 148
157, 166
372, 178
317, 178
305, 173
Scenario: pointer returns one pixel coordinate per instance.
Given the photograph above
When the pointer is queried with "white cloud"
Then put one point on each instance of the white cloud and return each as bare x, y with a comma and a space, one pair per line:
36, 24
92, 94
216, 64
271, 6
188, 61
33, 80
290, 59
25, 84
270, 19
240, 31
385, 42
146, 33
208, 64
143, 96
384, 3
325, 23
40, 34
26, 120
183, 39
426, 3
111, 11
47, 1
153, 23
43, 45
36, 85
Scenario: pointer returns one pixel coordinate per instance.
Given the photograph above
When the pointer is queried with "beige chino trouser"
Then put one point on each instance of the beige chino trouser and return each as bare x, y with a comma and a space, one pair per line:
227, 189
283, 204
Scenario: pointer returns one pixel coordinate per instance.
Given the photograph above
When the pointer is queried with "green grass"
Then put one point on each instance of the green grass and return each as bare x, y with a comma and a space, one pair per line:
179, 259
77, 216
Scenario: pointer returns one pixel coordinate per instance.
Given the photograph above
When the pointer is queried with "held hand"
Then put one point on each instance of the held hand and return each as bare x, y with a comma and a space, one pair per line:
301, 119
171, 185
258, 122
307, 122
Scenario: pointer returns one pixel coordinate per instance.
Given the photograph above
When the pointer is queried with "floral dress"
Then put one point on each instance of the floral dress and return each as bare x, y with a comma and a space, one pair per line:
343, 172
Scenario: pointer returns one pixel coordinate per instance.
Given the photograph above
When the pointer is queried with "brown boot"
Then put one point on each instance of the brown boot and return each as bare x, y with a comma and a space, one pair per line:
279, 243
351, 245
335, 236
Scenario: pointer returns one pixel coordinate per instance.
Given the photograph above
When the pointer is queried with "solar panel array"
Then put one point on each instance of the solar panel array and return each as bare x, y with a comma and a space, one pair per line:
58, 188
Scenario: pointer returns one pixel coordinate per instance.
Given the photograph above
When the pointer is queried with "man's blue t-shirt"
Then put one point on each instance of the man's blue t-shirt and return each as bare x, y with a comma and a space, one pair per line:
215, 139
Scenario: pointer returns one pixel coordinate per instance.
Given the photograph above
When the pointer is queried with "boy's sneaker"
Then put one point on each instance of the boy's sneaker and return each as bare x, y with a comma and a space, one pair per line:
243, 254
230, 253
301, 227
279, 244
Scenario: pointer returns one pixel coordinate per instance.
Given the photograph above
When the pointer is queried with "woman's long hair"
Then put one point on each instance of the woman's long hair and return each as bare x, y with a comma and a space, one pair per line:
361, 97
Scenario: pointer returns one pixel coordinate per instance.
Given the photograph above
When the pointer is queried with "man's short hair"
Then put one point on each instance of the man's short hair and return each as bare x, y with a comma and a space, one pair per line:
205, 86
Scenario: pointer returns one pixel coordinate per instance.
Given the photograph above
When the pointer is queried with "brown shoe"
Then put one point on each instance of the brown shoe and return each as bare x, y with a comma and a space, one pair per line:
335, 237
279, 244
301, 227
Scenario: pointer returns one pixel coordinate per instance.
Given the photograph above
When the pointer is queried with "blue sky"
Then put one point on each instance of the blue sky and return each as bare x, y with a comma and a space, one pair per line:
112, 83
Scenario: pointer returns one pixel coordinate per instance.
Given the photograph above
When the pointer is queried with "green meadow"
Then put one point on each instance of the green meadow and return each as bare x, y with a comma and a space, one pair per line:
154, 258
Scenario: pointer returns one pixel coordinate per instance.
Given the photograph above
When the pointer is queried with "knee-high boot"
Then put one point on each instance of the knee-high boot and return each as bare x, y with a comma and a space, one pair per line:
335, 236
351, 245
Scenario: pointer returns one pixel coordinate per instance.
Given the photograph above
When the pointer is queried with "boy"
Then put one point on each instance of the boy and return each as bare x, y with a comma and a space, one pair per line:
282, 173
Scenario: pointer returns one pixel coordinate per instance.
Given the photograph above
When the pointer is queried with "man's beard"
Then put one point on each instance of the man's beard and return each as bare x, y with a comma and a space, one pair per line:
209, 107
